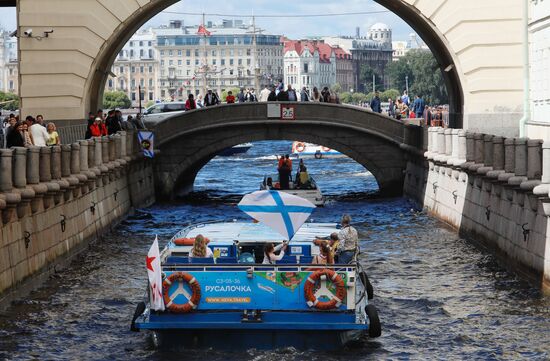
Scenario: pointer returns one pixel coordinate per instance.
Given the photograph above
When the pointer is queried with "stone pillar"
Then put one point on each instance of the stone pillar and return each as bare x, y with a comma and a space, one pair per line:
454, 147
123, 144
91, 153
112, 147
431, 143
130, 134
20, 181
56, 162
534, 166
440, 141
470, 147
509, 160
6, 186
66, 160
479, 148
105, 149
487, 155
498, 153
79, 159
118, 146
33, 178
45, 164
546, 162
543, 190
98, 157
461, 144
520, 170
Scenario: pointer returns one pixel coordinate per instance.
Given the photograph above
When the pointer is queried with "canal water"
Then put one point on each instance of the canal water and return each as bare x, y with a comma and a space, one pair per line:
438, 296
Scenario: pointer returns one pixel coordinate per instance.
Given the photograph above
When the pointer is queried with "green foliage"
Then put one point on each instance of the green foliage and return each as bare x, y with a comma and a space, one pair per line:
346, 98
424, 76
366, 76
118, 99
336, 88
150, 103
9, 101
235, 91
358, 98
390, 93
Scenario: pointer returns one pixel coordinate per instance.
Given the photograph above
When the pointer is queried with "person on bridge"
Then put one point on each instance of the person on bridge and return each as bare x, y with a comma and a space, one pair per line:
304, 96
251, 96
39, 134
211, 99
325, 95
15, 136
264, 94
375, 103
282, 96
200, 249
391, 107
419, 105
91, 119
241, 97
349, 241
316, 97
292, 97
230, 98
405, 98
190, 103
272, 95
53, 135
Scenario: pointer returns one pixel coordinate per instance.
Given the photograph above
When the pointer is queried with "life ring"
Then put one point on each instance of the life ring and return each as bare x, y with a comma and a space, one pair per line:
188, 241
193, 301
309, 289
300, 147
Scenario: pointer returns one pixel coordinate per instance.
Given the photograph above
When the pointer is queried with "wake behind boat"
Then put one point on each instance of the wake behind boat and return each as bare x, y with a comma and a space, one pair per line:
236, 300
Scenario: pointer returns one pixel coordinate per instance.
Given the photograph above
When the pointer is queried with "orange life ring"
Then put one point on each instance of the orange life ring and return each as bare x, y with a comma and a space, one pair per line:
300, 147
309, 289
195, 297
326, 149
187, 241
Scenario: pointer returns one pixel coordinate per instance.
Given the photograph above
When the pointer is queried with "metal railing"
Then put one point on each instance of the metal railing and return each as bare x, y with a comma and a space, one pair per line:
71, 133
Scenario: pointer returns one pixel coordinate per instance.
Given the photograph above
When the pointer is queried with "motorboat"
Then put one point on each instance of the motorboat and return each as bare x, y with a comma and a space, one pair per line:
233, 301
310, 191
303, 149
237, 149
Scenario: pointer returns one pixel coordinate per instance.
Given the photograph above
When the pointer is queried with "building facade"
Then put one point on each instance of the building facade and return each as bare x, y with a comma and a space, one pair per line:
309, 64
344, 69
225, 56
374, 50
9, 72
401, 48
137, 67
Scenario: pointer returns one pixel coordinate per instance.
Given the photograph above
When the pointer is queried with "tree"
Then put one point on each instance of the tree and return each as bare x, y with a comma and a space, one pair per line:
366, 76
9, 101
336, 88
390, 93
424, 76
117, 99
346, 98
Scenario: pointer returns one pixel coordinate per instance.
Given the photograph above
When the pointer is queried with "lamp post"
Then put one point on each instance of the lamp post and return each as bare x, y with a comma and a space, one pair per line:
407, 83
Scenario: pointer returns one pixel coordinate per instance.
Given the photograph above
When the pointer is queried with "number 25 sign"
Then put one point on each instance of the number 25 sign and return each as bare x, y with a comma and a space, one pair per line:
288, 112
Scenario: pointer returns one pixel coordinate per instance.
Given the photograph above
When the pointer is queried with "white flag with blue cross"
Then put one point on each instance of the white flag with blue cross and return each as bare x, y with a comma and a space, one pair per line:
283, 212
147, 143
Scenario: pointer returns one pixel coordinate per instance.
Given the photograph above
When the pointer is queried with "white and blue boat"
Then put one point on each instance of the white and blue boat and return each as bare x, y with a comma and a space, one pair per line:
237, 149
310, 150
233, 301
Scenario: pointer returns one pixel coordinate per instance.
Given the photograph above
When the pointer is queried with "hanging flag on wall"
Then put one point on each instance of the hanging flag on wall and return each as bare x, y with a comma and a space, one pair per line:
147, 141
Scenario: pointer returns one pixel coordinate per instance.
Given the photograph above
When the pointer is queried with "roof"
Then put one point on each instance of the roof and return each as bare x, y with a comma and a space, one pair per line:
299, 46
380, 26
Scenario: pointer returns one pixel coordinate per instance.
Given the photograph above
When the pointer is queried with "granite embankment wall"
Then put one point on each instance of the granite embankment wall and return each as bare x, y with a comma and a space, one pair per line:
492, 189
55, 200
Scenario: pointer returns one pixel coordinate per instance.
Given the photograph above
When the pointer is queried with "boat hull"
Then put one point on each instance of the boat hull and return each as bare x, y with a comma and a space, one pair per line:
242, 339
241, 149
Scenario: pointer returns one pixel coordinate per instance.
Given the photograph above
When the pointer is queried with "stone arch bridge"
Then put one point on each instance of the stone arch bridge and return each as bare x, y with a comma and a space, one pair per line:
189, 141
478, 45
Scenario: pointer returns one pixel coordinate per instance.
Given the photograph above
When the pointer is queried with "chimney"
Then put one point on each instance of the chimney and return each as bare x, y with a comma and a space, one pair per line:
358, 32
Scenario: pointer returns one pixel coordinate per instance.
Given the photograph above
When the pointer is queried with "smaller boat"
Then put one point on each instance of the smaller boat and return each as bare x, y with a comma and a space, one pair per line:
303, 149
238, 149
311, 191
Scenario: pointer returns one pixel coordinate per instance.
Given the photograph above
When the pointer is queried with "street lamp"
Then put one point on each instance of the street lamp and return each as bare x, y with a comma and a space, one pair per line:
407, 83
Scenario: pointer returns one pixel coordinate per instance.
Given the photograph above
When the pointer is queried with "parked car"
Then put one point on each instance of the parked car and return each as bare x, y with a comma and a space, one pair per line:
161, 111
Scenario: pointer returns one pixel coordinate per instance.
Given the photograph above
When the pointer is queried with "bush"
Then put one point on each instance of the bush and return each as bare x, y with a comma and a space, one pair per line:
9, 101
118, 99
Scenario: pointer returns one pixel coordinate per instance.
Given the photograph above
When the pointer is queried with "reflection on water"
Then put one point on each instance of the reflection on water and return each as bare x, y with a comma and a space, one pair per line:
438, 296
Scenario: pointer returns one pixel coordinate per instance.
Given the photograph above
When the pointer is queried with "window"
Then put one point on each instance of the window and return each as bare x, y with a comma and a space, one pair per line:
150, 68
150, 95
170, 62
213, 61
150, 43
240, 61
163, 93
222, 62
162, 52
230, 71
188, 62
231, 52
180, 52
121, 69
142, 82
230, 61
150, 83
110, 83
131, 53
134, 96
306, 67
180, 62
222, 52
142, 69
150, 53
170, 53
188, 52
141, 43
240, 52
248, 52
121, 83
248, 61
131, 43
213, 52
196, 61
196, 52
133, 83
133, 69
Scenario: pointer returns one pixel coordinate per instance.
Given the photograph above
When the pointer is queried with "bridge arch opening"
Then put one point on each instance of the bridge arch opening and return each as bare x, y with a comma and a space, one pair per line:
437, 43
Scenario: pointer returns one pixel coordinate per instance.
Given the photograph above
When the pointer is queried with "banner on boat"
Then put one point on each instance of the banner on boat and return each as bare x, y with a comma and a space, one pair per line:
147, 143
154, 272
285, 213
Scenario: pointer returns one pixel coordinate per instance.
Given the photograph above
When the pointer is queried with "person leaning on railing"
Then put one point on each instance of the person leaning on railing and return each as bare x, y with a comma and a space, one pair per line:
349, 241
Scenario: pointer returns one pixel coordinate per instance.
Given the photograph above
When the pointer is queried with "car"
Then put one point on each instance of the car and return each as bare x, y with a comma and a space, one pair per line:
161, 111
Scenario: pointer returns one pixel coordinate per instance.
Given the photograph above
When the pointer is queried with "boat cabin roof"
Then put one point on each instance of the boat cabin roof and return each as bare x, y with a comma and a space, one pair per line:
249, 232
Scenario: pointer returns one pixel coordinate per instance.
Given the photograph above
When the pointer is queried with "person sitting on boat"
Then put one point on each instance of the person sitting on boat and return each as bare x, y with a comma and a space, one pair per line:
333, 244
269, 183
200, 250
349, 241
304, 181
269, 253
324, 256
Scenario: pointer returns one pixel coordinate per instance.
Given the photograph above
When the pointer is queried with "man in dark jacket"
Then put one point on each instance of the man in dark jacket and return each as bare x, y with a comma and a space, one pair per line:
375, 103
211, 99
419, 105
282, 96
241, 97
272, 97
304, 97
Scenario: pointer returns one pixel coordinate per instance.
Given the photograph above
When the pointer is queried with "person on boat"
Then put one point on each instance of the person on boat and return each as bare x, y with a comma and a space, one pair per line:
303, 180
269, 183
324, 256
285, 170
200, 250
333, 244
349, 240
269, 253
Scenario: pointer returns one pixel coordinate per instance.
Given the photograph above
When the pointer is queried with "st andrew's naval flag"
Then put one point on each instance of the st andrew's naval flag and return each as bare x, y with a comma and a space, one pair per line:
147, 142
154, 273
283, 212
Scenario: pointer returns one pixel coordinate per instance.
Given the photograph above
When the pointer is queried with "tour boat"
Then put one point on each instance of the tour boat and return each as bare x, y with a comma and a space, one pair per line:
303, 149
233, 301
237, 149
311, 193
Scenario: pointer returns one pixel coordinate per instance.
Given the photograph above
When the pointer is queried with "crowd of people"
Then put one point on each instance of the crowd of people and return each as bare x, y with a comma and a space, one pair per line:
302, 179
340, 247
268, 94
29, 132
402, 107
101, 124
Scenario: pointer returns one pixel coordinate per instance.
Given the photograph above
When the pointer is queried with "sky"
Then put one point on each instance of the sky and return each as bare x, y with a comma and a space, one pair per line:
291, 27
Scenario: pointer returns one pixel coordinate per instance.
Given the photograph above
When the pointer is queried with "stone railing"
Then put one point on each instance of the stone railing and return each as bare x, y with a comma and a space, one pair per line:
516, 162
37, 178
